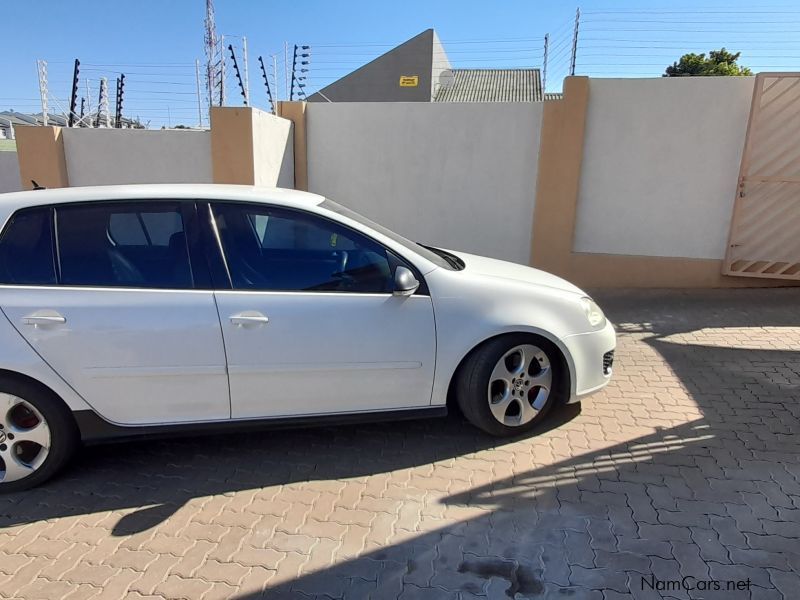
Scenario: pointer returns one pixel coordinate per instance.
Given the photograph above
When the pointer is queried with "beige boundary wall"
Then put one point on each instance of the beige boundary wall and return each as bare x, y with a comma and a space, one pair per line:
622, 183
244, 145
623, 197
630, 182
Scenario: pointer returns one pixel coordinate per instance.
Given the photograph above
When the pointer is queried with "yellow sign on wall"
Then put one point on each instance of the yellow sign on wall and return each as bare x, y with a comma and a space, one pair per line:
409, 80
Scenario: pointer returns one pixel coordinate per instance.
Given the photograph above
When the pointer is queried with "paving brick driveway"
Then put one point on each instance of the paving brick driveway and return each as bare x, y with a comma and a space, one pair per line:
688, 465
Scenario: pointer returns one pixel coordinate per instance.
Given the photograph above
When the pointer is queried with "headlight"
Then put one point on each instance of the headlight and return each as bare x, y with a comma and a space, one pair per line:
593, 312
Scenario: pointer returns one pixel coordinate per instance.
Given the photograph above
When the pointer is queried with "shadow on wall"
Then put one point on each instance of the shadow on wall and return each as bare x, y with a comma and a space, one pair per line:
286, 177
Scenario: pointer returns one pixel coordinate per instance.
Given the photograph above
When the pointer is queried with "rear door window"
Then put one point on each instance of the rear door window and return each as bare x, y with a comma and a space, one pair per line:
26, 248
123, 245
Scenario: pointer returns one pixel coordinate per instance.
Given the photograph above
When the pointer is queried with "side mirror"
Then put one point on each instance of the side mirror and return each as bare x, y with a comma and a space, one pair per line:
405, 283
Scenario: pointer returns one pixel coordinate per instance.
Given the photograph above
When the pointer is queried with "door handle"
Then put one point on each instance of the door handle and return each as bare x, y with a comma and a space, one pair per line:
250, 317
43, 318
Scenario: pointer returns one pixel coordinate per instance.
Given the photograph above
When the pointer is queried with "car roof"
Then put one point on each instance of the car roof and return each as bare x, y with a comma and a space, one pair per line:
181, 191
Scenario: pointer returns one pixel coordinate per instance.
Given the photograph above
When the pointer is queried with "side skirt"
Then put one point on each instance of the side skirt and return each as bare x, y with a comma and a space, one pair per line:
96, 430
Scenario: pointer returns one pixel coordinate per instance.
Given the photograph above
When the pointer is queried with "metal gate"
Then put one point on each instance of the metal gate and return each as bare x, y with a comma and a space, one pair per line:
764, 239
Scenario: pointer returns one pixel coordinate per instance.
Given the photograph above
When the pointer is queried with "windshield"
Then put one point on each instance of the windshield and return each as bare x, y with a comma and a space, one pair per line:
438, 257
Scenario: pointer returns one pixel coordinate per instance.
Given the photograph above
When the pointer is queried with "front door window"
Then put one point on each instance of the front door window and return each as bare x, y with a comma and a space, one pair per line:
282, 250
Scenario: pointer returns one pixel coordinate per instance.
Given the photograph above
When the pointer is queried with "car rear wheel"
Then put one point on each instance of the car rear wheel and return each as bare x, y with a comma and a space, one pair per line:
37, 435
508, 385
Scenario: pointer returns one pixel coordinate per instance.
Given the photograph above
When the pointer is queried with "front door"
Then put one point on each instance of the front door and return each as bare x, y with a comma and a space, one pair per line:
116, 314
310, 324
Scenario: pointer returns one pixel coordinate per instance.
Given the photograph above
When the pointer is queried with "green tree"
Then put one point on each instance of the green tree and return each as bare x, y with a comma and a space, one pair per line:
718, 62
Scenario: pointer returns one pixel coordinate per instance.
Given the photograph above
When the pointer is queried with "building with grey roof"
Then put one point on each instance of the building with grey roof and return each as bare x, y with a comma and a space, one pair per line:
419, 70
491, 85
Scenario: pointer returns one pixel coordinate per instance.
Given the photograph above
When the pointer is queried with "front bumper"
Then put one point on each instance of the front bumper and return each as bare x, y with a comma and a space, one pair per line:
589, 352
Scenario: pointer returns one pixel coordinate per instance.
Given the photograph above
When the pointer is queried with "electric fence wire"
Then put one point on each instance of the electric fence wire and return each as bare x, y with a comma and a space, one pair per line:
635, 42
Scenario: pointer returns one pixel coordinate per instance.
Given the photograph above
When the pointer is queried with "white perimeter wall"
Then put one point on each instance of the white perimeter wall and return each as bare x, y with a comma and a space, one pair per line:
461, 176
660, 165
9, 172
117, 156
273, 150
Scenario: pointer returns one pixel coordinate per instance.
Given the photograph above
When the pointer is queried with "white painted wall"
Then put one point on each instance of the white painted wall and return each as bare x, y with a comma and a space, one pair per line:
439, 62
9, 172
461, 176
660, 165
273, 150
117, 156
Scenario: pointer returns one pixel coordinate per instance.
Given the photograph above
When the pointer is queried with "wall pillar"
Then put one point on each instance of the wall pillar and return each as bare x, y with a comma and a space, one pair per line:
40, 152
296, 113
232, 157
250, 147
559, 175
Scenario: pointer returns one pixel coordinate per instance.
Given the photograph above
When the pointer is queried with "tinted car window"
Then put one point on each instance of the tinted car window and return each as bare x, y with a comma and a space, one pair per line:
123, 245
126, 229
277, 249
438, 257
26, 248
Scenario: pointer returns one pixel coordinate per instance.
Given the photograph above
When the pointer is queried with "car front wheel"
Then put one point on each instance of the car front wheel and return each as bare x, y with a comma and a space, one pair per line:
37, 435
507, 385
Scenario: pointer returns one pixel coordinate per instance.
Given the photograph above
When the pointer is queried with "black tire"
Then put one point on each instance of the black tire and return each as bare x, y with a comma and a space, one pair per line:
64, 436
473, 380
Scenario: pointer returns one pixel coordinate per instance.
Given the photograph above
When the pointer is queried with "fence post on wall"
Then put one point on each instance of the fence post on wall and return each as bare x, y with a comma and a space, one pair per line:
199, 100
544, 63
266, 83
73, 98
41, 68
575, 42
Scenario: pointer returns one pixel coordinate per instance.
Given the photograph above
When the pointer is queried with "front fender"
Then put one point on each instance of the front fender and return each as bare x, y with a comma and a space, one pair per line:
568, 358
469, 311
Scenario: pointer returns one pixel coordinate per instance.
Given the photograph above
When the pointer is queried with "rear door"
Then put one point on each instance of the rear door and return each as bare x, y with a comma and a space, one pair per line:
111, 295
311, 326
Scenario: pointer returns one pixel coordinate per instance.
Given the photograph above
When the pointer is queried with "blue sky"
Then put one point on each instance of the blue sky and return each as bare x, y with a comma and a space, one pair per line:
155, 43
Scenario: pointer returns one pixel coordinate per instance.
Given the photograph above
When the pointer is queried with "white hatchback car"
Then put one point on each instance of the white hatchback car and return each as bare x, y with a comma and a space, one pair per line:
164, 309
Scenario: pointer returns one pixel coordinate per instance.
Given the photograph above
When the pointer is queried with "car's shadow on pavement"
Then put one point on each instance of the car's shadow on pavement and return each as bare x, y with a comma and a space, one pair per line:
160, 476
714, 498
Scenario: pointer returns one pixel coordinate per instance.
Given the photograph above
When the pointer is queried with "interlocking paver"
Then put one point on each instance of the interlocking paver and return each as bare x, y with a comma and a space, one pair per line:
759, 577
598, 578
687, 464
175, 586
46, 589
772, 543
622, 561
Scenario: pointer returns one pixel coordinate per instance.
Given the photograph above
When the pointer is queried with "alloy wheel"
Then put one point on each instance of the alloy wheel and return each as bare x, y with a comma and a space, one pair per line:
24, 438
520, 385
